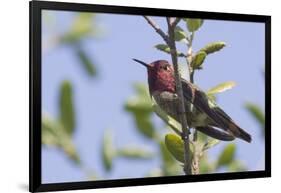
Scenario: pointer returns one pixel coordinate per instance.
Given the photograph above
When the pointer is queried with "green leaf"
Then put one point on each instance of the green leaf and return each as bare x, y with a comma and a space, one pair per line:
145, 125
82, 27
193, 24
221, 88
206, 166
86, 62
49, 134
227, 155
165, 48
155, 173
209, 144
213, 47
141, 101
212, 97
236, 166
108, 151
167, 158
169, 165
257, 113
198, 59
54, 134
175, 146
201, 137
134, 153
67, 111
180, 34
140, 106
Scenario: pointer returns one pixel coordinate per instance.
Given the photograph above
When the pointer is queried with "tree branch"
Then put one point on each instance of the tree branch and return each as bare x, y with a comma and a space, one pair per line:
196, 154
157, 29
170, 41
176, 21
185, 128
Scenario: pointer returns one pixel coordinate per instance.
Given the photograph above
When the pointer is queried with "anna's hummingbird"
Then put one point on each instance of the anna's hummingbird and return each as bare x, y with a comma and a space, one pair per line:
205, 113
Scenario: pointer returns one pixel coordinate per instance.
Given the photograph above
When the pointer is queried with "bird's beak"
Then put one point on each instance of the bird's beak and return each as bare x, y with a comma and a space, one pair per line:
141, 62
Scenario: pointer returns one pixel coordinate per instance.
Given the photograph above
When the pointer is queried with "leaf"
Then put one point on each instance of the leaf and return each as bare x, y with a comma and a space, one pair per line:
221, 87
198, 59
180, 34
201, 137
69, 148
175, 146
227, 155
155, 173
165, 48
206, 166
134, 153
209, 144
212, 97
170, 166
213, 47
86, 62
82, 27
140, 106
236, 166
257, 113
141, 89
67, 111
141, 101
145, 125
193, 24
108, 151
49, 134
53, 134
167, 158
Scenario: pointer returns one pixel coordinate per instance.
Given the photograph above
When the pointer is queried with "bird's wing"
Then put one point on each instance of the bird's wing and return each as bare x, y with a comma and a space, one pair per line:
233, 127
217, 134
220, 119
200, 100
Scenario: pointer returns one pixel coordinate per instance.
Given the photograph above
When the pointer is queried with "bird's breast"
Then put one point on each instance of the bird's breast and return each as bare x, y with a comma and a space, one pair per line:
167, 102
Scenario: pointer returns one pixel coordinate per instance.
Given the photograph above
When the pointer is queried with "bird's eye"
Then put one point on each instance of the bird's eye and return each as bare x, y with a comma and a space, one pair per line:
165, 67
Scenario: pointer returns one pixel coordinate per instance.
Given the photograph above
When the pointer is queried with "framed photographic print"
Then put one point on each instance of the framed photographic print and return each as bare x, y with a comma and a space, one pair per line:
125, 96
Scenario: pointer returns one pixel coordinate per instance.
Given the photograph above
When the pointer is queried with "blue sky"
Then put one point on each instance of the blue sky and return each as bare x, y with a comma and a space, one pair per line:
99, 102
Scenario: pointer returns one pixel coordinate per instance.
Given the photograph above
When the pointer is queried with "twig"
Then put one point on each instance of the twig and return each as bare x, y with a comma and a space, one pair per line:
189, 58
157, 29
176, 21
170, 40
196, 158
185, 128
196, 154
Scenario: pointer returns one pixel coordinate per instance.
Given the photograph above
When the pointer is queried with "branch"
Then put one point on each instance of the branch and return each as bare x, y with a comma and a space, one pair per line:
170, 40
185, 128
176, 21
189, 59
196, 153
157, 29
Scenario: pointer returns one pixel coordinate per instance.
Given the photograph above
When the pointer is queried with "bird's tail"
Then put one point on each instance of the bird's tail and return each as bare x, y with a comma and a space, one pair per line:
230, 126
217, 134
244, 135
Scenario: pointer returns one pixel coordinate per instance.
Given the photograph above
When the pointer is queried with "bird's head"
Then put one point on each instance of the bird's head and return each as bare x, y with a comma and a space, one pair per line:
160, 75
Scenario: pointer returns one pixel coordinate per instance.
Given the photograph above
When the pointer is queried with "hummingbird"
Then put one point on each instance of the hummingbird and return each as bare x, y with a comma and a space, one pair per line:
205, 113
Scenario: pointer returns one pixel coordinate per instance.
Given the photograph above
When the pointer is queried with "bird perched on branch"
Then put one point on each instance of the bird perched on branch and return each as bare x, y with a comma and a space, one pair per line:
205, 113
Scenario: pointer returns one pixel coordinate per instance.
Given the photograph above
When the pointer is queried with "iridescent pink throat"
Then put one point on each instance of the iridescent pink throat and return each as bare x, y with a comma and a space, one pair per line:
161, 81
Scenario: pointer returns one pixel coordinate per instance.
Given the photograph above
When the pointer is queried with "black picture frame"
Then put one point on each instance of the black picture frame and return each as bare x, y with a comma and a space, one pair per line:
35, 183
